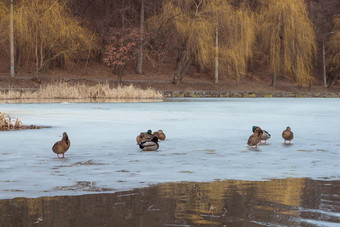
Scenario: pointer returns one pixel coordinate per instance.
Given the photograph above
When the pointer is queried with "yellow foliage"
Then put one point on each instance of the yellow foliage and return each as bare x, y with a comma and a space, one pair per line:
335, 43
237, 34
290, 38
194, 24
47, 30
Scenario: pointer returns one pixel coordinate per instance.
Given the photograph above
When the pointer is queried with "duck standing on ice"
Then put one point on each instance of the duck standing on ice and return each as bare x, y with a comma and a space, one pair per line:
62, 146
288, 135
265, 136
255, 138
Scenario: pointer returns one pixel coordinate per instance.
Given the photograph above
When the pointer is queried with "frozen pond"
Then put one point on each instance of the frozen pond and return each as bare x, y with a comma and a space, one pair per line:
206, 141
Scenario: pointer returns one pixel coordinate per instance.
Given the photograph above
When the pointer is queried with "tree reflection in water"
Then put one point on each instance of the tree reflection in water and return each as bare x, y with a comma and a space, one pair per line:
293, 201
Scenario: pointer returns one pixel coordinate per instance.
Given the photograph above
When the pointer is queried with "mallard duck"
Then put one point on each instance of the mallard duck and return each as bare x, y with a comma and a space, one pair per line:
255, 138
149, 145
161, 134
140, 137
156, 134
144, 136
62, 146
287, 134
265, 136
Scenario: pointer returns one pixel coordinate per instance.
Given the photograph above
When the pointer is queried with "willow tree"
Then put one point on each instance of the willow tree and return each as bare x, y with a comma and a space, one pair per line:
214, 33
4, 24
290, 38
48, 32
234, 38
333, 62
192, 32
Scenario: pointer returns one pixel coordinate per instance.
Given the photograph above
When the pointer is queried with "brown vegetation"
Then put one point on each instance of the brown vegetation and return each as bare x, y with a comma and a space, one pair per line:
64, 90
8, 123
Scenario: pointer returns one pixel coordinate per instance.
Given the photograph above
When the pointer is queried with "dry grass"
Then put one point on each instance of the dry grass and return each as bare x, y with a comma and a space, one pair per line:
9, 123
6, 122
63, 90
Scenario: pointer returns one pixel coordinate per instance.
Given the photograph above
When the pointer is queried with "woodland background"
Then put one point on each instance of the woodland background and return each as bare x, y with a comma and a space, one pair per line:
233, 40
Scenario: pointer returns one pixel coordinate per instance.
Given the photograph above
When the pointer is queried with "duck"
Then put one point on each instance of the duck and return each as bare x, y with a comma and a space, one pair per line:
149, 145
62, 146
144, 136
287, 135
265, 136
140, 137
161, 134
156, 134
255, 138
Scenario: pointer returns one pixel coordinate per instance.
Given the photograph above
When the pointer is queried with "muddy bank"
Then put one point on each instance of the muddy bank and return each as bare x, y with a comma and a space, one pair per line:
246, 94
190, 87
181, 94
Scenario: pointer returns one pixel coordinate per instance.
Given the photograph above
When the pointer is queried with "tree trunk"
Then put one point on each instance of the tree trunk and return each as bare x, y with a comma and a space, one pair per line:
237, 75
216, 55
139, 68
274, 79
183, 63
178, 74
333, 81
36, 56
182, 67
18, 57
12, 71
186, 69
119, 73
122, 13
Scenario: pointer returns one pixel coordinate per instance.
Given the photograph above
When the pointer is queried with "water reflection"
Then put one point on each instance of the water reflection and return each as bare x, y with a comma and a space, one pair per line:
249, 203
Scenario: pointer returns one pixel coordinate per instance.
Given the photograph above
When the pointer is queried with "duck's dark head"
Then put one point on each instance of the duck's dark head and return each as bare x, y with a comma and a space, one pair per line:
149, 132
254, 127
65, 136
288, 128
154, 139
258, 131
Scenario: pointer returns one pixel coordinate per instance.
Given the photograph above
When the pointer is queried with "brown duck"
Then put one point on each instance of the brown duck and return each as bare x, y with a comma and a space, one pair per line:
161, 134
140, 137
62, 146
255, 138
287, 135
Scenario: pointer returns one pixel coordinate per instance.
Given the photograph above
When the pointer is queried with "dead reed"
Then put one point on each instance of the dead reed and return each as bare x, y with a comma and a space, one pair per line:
9, 123
63, 90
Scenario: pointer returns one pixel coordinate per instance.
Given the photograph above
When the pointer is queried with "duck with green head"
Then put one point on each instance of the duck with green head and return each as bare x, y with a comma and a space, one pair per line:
144, 136
265, 136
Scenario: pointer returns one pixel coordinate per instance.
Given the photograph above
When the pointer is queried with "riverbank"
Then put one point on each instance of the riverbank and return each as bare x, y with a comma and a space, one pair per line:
194, 85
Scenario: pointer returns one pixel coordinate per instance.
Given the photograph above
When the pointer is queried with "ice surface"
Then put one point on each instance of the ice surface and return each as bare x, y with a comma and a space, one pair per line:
206, 141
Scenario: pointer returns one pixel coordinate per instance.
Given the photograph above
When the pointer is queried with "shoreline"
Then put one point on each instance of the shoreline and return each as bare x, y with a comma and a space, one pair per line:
174, 94
246, 94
